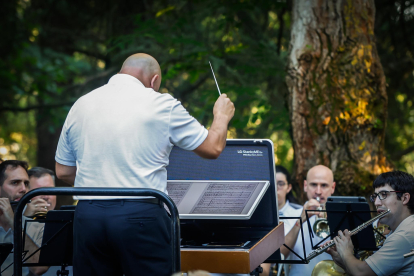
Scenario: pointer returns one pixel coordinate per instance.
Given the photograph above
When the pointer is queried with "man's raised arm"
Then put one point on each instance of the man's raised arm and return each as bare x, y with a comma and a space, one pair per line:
215, 142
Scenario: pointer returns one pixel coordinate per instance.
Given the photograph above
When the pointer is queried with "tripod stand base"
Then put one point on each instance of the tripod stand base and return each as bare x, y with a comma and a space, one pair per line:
257, 271
63, 271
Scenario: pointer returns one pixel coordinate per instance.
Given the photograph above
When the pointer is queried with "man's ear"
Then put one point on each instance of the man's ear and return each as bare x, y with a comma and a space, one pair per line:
153, 80
333, 187
305, 186
405, 198
289, 187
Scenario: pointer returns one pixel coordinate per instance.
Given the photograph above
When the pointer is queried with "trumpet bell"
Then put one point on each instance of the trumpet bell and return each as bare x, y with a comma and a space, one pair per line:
321, 228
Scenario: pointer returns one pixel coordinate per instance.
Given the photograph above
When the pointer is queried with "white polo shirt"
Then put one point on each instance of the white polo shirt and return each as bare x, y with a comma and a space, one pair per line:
121, 135
306, 269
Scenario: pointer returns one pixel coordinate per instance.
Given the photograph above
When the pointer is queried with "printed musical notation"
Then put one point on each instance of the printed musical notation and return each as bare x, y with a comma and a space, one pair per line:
177, 192
224, 198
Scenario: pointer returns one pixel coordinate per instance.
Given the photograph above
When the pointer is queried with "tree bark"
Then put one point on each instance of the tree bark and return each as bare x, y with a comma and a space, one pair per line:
337, 96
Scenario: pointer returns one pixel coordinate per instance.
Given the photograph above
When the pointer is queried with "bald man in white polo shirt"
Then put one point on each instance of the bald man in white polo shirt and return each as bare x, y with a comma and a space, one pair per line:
121, 135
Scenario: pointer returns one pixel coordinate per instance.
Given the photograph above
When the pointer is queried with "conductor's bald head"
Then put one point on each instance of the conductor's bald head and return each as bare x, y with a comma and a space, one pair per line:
145, 68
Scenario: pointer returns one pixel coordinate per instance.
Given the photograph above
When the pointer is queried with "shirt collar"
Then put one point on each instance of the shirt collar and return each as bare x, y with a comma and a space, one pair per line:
284, 207
124, 78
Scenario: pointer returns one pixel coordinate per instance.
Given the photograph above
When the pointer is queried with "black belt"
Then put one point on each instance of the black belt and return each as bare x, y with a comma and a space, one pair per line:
143, 200
137, 200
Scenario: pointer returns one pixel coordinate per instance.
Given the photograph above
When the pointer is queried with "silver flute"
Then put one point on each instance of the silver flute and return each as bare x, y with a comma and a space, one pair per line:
322, 249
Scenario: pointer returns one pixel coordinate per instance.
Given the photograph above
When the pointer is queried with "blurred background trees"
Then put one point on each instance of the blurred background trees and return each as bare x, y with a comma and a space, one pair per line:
55, 51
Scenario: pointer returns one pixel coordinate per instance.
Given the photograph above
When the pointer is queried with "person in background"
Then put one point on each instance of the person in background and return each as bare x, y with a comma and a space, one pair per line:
287, 205
14, 182
319, 185
42, 178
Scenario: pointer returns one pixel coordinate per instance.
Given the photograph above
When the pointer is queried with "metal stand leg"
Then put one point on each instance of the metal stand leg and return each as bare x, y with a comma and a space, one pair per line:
257, 271
62, 271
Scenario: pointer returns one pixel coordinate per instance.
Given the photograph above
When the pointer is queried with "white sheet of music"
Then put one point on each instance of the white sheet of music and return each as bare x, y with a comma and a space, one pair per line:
216, 199
178, 191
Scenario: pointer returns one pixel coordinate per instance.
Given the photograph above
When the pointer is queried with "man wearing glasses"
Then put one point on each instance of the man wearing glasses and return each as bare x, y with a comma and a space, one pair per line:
394, 191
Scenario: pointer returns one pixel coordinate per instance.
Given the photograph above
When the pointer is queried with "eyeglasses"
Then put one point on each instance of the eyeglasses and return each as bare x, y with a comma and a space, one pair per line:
381, 195
280, 184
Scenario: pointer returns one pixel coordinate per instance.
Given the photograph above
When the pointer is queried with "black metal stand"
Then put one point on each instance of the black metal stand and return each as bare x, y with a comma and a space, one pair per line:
301, 260
257, 271
63, 271
175, 221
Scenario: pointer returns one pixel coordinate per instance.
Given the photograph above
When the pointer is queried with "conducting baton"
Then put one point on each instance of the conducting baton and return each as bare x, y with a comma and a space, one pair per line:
215, 78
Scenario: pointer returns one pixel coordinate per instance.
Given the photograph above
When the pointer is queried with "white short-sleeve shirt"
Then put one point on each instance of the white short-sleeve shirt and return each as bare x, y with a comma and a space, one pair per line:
121, 135
289, 210
306, 269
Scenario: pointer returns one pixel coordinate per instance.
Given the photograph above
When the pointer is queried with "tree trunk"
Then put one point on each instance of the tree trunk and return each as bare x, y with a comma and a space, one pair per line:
337, 97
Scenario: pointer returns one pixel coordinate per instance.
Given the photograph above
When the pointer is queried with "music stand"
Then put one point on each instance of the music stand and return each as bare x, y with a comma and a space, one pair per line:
5, 250
349, 213
57, 243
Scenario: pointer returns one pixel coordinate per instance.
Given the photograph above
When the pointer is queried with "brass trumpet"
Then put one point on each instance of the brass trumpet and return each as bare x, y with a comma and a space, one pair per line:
321, 227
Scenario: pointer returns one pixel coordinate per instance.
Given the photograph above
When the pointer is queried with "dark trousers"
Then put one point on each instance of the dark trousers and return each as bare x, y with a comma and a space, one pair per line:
121, 237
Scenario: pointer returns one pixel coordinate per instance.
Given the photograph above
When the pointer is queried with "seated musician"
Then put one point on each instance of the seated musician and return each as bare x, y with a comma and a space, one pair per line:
41, 178
320, 184
14, 182
287, 204
394, 191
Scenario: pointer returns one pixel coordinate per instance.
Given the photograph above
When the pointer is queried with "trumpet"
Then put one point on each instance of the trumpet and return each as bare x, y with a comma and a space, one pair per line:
320, 226
322, 249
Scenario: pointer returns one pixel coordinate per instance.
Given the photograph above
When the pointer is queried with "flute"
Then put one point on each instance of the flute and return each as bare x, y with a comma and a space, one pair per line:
322, 249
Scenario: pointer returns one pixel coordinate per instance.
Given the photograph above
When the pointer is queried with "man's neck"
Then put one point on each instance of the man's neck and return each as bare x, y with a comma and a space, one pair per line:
405, 214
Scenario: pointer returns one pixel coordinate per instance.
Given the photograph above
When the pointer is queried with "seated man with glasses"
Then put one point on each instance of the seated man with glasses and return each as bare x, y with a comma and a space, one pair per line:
394, 191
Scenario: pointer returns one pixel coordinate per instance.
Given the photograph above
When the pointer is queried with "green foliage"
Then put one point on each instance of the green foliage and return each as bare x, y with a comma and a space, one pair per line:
240, 38
394, 26
55, 51
64, 46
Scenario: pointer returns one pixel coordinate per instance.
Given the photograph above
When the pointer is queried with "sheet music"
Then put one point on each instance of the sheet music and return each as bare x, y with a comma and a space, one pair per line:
224, 198
177, 192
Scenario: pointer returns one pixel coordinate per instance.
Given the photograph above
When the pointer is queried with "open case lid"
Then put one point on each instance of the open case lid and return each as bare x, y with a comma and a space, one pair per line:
242, 159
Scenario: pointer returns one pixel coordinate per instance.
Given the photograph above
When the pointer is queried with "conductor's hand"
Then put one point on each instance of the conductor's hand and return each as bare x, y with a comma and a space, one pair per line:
6, 214
36, 206
223, 108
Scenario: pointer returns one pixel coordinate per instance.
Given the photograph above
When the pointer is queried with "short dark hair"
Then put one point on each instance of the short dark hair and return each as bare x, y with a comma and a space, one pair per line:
399, 181
10, 163
289, 196
38, 172
281, 169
